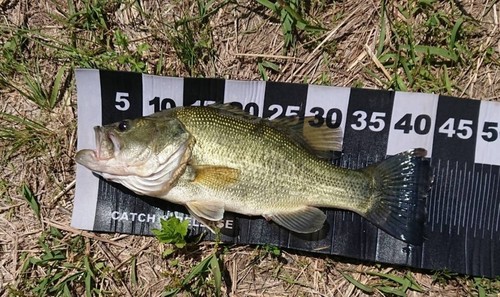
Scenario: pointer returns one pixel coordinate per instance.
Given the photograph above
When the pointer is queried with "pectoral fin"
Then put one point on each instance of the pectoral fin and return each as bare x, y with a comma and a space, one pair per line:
206, 212
209, 210
304, 220
215, 176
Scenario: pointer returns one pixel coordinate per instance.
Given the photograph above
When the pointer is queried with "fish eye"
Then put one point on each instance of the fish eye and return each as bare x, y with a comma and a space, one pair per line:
123, 126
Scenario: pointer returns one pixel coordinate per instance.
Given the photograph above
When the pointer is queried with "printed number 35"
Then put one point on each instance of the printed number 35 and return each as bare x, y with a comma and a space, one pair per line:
376, 122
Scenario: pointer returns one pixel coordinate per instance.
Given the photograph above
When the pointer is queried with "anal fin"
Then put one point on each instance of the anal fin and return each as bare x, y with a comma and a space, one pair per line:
304, 220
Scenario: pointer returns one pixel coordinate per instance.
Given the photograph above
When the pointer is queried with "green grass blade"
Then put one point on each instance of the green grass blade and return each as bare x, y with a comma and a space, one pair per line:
392, 291
454, 32
404, 281
362, 287
436, 51
56, 87
215, 269
381, 38
133, 271
268, 4
31, 199
197, 270
271, 65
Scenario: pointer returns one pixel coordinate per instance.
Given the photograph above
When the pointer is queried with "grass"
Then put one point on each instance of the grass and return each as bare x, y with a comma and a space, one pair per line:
421, 57
427, 46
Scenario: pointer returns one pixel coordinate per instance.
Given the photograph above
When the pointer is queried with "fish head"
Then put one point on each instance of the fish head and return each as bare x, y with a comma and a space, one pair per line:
143, 147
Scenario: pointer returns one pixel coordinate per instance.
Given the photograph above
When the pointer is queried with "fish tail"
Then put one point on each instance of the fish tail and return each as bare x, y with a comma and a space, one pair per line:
401, 185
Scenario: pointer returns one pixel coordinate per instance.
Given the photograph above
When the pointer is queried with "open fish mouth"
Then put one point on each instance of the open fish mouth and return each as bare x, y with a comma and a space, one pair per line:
107, 144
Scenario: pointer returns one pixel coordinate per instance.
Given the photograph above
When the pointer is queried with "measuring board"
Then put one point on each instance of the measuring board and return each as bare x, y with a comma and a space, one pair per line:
460, 135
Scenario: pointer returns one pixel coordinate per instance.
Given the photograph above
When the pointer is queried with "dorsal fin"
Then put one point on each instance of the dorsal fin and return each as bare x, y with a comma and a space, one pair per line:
321, 141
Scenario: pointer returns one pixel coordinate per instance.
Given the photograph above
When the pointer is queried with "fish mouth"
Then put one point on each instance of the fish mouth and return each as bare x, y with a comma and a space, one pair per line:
107, 144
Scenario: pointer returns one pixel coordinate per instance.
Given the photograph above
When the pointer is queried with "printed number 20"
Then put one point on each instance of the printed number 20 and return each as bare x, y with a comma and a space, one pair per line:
376, 122
122, 102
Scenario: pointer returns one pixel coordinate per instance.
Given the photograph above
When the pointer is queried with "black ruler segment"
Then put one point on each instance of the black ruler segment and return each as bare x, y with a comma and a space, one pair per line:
368, 119
462, 137
455, 130
462, 206
121, 96
203, 91
284, 99
463, 222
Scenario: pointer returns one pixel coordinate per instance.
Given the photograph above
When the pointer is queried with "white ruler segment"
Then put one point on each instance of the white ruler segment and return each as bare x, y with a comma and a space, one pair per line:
322, 101
89, 115
161, 93
250, 94
488, 136
412, 122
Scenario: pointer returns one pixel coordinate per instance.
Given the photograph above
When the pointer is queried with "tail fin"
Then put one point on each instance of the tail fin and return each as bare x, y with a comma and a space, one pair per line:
401, 186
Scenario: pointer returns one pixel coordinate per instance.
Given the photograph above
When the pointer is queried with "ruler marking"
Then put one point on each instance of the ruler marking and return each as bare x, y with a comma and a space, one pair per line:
437, 195
449, 202
466, 249
479, 202
467, 213
434, 194
497, 205
492, 206
465, 201
487, 204
444, 201
474, 203
458, 203
453, 203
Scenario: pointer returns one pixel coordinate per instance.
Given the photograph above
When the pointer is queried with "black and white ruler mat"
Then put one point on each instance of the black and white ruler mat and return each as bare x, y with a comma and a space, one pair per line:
461, 136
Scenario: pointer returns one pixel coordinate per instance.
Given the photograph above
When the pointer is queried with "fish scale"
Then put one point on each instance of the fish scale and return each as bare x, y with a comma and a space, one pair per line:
301, 178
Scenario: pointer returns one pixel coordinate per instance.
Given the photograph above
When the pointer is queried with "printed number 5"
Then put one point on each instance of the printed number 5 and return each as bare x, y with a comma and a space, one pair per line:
122, 102
376, 123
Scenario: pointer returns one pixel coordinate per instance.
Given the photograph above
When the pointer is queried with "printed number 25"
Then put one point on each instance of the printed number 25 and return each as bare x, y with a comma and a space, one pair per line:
122, 102
376, 122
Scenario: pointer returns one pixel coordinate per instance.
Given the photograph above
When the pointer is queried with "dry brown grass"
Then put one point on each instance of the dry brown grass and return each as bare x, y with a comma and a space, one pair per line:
235, 38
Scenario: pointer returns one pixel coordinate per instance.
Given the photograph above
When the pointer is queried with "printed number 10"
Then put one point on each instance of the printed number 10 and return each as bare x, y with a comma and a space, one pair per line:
162, 104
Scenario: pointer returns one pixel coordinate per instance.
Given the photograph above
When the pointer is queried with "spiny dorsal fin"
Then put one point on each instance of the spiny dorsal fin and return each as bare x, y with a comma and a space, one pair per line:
321, 141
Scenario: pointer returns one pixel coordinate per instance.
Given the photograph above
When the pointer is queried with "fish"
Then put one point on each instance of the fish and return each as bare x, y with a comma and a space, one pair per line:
218, 158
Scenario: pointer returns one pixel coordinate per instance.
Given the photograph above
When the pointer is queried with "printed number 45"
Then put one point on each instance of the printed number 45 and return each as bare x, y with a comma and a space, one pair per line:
376, 122
462, 131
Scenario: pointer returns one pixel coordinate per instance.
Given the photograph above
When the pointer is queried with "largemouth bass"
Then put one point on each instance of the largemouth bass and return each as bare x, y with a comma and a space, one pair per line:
217, 158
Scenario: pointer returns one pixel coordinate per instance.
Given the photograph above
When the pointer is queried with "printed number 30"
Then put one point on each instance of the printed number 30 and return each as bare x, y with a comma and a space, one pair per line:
376, 123
122, 102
